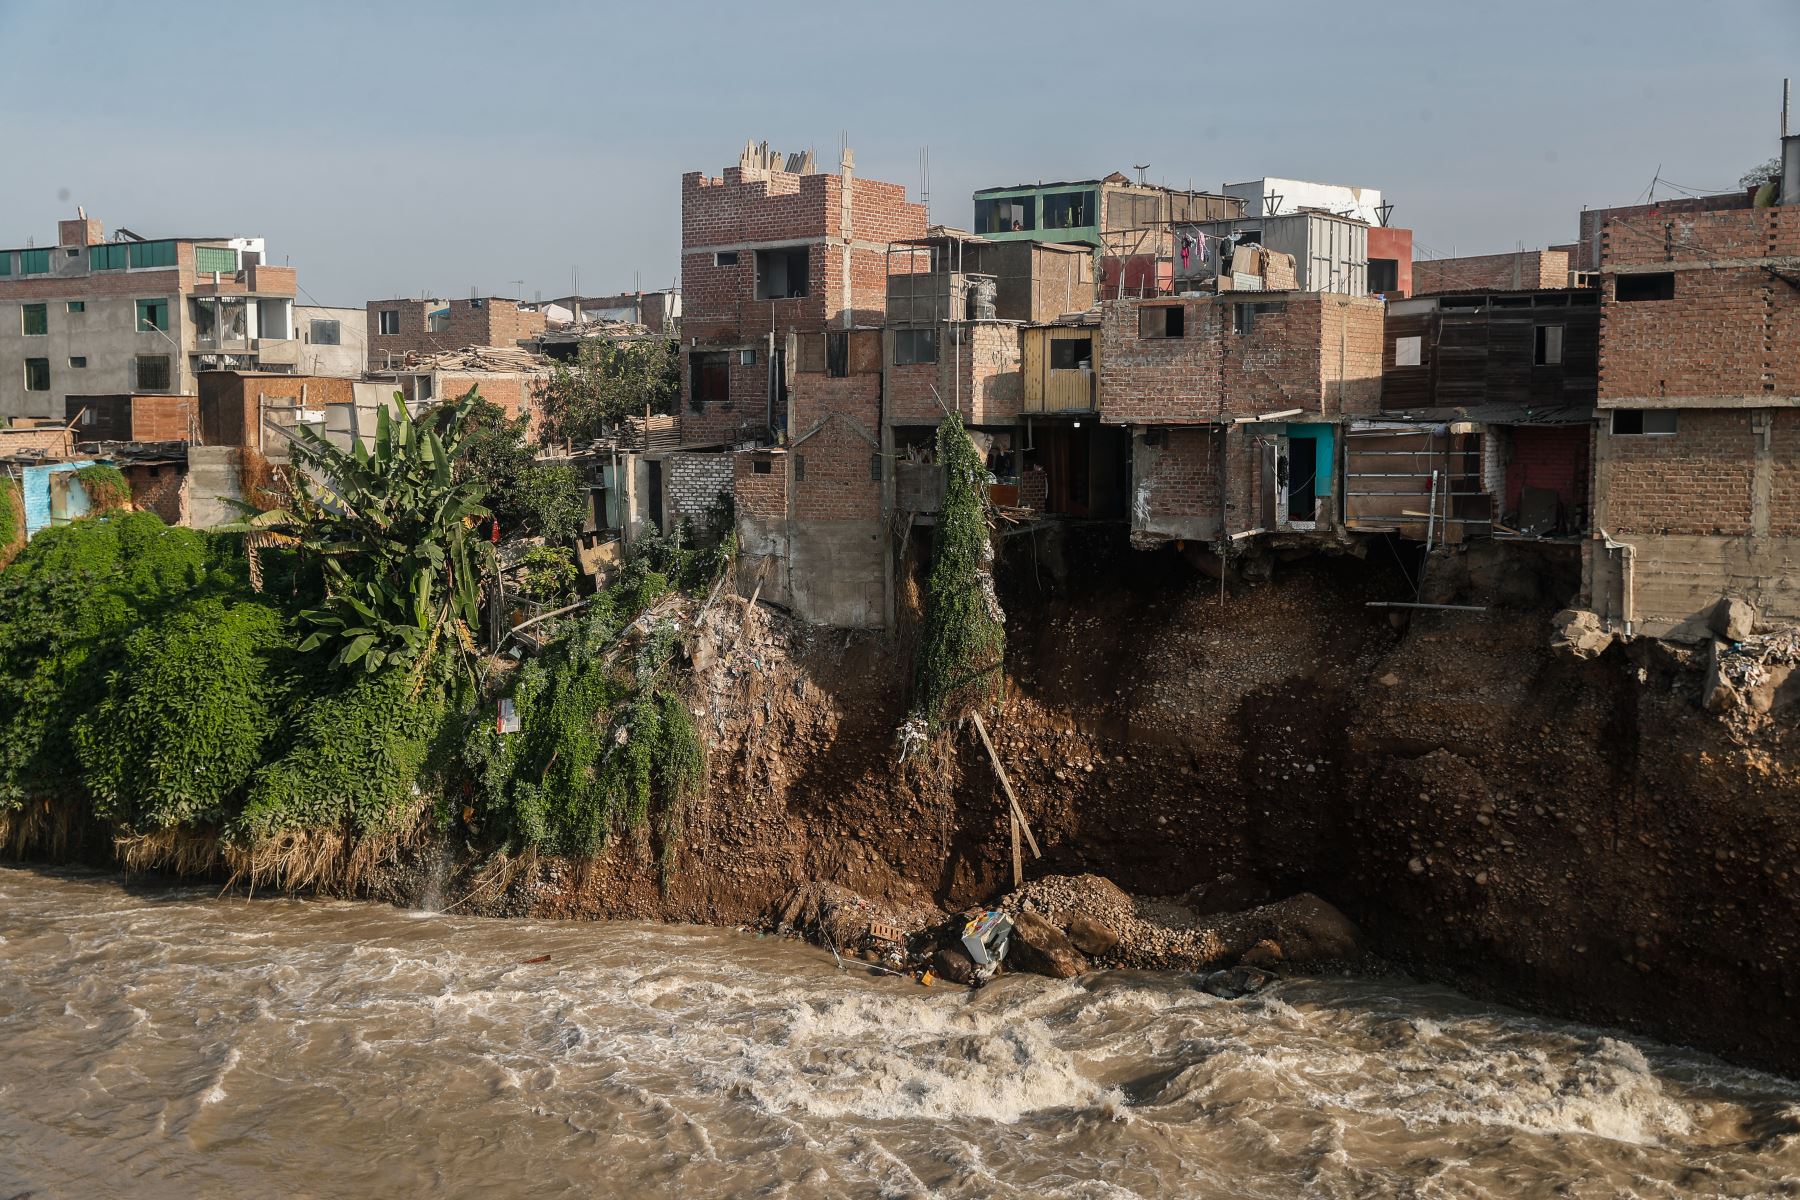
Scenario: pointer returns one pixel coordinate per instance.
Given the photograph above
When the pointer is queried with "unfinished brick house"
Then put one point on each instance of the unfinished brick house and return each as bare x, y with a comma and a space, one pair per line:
1697, 454
1235, 404
1487, 408
769, 249
1517, 270
403, 329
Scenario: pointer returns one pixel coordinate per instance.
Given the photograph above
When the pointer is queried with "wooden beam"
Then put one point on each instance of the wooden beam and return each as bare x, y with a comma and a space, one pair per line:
1006, 784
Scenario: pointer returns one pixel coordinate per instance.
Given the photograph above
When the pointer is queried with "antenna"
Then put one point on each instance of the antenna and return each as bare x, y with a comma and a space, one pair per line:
1140, 168
925, 181
1784, 108
1383, 212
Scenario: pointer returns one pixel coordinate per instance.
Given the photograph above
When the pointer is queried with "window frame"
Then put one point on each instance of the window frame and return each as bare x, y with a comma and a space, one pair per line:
765, 262
100, 258
314, 324
1547, 339
27, 259
137, 373
1056, 345
705, 368
725, 258
1643, 416
42, 312
837, 354
155, 305
44, 365
384, 317
912, 337
76, 306
1155, 320
77, 362
231, 254
1659, 282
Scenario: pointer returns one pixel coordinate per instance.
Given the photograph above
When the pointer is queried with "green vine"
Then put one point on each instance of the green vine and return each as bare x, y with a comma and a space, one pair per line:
964, 640
105, 486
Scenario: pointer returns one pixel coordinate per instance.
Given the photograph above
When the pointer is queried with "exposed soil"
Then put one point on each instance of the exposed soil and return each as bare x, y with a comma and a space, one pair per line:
1573, 836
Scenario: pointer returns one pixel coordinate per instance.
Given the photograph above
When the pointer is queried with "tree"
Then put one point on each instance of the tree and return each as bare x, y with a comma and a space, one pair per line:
395, 532
528, 498
1760, 174
964, 636
609, 381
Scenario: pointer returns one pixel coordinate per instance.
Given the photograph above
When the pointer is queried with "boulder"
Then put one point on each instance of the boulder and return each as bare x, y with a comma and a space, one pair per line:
1235, 983
1039, 946
953, 963
1090, 936
1310, 930
1266, 955
1733, 618
1579, 632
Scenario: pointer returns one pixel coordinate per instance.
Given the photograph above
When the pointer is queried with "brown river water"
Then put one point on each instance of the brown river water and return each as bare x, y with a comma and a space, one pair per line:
165, 1042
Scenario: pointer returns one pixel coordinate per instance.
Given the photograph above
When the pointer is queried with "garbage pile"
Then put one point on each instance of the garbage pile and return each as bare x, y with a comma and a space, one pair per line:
1746, 664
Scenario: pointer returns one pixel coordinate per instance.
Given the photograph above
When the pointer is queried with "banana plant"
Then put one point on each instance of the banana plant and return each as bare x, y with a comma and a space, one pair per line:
396, 537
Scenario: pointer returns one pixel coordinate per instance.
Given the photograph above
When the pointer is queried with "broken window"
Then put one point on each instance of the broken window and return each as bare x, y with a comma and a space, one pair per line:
1069, 210
709, 379
325, 333
1658, 286
725, 258
915, 346
783, 274
34, 319
1406, 351
153, 372
837, 355
1074, 354
1245, 317
1162, 321
37, 374
1008, 214
1384, 275
1653, 422
1547, 351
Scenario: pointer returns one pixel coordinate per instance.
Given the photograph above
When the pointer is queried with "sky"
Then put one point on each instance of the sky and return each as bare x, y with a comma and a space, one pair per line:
400, 148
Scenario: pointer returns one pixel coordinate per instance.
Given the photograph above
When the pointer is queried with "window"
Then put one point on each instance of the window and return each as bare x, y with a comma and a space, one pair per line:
1162, 321
709, 379
152, 315
761, 466
208, 259
34, 319
746, 358
78, 306
1074, 354
79, 362
1650, 422
437, 322
34, 262
5, 262
799, 466
1547, 352
153, 372
72, 252
112, 257
875, 468
152, 254
782, 274
37, 374
1008, 214
1660, 286
725, 258
324, 333
1406, 351
1245, 316
1384, 275
915, 346
837, 355
1069, 210
387, 322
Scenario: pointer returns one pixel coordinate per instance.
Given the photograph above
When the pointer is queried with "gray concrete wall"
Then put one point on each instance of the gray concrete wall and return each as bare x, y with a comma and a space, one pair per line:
838, 573
213, 478
105, 334
1674, 582
348, 358
762, 556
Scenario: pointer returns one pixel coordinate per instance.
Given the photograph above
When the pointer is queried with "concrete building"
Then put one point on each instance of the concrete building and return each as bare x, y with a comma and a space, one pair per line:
657, 311
1330, 253
136, 315
333, 341
1697, 454
399, 328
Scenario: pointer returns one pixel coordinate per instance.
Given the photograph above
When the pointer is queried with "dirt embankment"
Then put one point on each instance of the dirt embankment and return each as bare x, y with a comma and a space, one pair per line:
1573, 836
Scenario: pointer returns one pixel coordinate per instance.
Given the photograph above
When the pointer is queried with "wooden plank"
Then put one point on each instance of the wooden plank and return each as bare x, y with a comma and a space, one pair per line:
1006, 785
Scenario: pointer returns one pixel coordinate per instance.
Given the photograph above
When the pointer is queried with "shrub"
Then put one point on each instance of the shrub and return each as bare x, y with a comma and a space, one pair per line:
105, 486
964, 639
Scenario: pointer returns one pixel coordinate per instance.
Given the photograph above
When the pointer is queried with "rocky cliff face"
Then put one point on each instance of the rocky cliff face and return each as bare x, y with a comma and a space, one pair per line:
1578, 836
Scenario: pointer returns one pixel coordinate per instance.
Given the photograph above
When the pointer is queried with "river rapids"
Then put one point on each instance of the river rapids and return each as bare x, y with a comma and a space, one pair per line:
164, 1042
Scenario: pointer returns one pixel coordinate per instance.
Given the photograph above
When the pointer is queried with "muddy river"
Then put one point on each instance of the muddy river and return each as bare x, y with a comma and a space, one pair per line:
166, 1042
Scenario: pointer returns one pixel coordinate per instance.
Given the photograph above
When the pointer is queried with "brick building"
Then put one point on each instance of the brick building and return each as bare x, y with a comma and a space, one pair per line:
1236, 404
398, 329
1514, 271
769, 249
1697, 453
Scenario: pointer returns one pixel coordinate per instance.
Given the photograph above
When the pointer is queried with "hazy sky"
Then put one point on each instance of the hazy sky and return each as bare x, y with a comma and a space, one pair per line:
392, 148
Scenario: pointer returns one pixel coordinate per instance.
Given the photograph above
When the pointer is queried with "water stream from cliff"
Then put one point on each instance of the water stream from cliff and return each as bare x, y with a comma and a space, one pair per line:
164, 1042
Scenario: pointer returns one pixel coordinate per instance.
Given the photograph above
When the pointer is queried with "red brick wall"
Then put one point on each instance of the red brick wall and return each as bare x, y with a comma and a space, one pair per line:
1587, 257
230, 406
161, 418
837, 483
763, 495
495, 323
158, 489
1289, 359
1397, 244
1696, 481
1183, 480
985, 380
1553, 457
1503, 272
56, 439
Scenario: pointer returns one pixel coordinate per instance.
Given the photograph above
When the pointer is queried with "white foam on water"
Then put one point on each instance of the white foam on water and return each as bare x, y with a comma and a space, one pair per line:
216, 1092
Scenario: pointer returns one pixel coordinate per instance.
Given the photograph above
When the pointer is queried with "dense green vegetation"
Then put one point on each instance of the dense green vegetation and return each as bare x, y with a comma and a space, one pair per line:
964, 638
149, 688
609, 381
